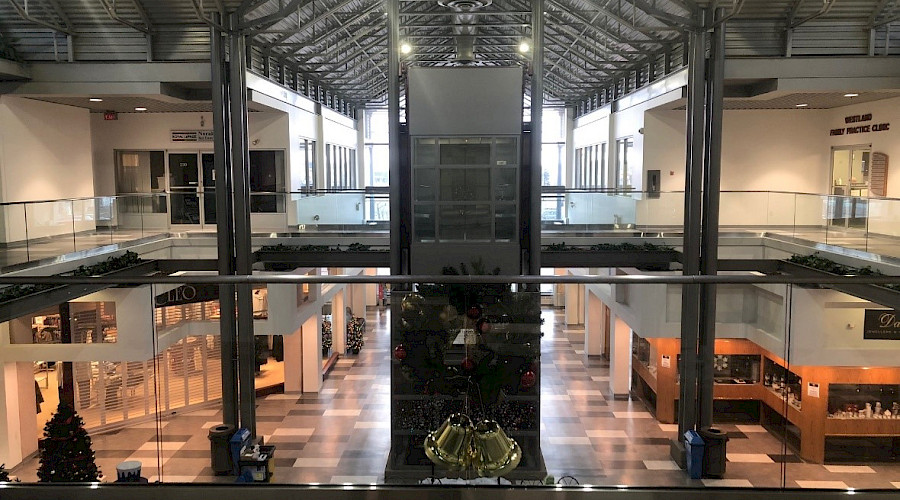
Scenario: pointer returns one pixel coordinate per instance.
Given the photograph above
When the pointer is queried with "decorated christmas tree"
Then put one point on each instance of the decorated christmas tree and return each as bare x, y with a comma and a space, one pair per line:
355, 330
65, 451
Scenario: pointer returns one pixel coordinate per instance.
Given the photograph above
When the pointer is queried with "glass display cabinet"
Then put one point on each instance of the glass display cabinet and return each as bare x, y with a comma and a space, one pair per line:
783, 382
868, 401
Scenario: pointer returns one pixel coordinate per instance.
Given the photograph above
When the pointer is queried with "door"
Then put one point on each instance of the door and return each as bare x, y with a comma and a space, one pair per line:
208, 191
849, 186
184, 185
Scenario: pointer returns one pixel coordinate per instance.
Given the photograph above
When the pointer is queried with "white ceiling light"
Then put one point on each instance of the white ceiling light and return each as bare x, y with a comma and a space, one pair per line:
524, 47
802, 105
140, 108
95, 99
405, 48
851, 94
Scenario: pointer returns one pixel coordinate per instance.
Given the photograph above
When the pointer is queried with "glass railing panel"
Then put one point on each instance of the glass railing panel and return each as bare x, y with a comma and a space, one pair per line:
91, 218
883, 227
14, 234
50, 228
328, 212
660, 211
811, 217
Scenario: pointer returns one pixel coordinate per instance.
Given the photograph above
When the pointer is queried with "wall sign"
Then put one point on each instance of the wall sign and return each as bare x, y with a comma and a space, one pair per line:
187, 294
666, 361
881, 324
851, 128
192, 136
812, 389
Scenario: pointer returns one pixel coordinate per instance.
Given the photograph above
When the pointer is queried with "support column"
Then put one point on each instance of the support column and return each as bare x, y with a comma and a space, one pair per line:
571, 303
240, 162
593, 325
293, 361
18, 424
620, 358
537, 107
311, 334
371, 290
690, 294
559, 289
399, 261
224, 223
358, 299
338, 324
709, 246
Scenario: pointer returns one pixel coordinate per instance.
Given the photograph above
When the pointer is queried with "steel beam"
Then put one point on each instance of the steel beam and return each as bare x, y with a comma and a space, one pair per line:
537, 107
709, 246
398, 264
693, 182
240, 162
224, 223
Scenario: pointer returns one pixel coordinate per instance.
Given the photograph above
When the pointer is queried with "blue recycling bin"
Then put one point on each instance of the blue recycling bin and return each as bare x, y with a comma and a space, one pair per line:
238, 441
693, 448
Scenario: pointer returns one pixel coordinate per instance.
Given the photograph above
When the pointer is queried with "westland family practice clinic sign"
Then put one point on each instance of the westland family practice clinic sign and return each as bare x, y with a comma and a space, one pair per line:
881, 324
856, 124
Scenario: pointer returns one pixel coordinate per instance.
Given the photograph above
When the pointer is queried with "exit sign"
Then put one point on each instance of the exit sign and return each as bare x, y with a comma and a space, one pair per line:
110, 115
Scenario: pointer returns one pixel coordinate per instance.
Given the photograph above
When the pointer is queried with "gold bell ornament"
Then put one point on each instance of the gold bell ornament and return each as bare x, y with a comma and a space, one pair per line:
451, 444
495, 454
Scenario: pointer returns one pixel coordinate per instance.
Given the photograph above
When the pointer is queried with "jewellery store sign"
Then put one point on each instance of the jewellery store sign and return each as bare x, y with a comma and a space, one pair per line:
881, 324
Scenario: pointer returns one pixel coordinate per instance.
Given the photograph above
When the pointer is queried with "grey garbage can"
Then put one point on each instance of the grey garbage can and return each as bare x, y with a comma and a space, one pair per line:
714, 452
219, 451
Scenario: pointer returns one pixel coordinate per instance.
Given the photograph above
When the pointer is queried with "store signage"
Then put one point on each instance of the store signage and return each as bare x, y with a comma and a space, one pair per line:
812, 389
881, 324
187, 294
860, 129
192, 136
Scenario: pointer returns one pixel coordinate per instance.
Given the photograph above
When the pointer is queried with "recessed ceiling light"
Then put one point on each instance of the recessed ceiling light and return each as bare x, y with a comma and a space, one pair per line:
851, 94
140, 108
95, 99
802, 105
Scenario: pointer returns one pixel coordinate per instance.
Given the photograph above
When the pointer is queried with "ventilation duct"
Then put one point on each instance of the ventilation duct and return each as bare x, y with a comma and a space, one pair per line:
464, 27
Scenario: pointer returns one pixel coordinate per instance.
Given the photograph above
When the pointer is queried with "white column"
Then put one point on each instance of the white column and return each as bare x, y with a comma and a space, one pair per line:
312, 354
620, 358
18, 421
338, 323
358, 293
571, 302
559, 290
293, 361
593, 325
371, 290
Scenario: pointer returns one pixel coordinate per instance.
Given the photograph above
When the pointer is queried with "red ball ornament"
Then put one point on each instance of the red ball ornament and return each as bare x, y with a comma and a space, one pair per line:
528, 380
400, 352
484, 326
467, 364
474, 312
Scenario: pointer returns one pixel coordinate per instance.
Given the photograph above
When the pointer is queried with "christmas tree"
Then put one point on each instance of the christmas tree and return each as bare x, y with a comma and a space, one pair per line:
65, 452
355, 330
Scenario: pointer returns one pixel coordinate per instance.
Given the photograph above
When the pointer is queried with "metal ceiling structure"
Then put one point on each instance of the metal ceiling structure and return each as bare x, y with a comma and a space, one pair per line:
336, 50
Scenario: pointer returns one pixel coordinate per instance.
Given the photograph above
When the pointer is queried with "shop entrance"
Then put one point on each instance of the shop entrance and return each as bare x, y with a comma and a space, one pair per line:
848, 205
192, 184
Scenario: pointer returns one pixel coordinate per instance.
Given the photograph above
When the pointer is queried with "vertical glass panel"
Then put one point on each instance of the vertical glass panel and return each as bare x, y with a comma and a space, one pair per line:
453, 184
453, 154
505, 226
506, 151
478, 222
424, 222
426, 151
478, 154
505, 184
426, 184
453, 222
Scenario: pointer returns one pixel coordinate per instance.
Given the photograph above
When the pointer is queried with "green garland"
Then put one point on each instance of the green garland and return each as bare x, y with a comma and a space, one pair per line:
107, 266
820, 263
607, 247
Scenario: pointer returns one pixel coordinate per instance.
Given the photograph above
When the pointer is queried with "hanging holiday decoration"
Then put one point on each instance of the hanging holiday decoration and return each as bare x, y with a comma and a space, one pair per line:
327, 337
458, 445
400, 352
483, 325
528, 380
474, 312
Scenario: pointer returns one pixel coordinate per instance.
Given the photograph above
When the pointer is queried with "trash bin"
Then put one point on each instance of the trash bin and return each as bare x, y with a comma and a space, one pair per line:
693, 449
714, 453
128, 472
219, 454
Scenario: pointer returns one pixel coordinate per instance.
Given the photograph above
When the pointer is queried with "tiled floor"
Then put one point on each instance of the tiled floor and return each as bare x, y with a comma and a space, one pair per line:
340, 434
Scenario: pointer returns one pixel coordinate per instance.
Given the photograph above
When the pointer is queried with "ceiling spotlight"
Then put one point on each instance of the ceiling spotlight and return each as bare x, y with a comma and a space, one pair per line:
405, 48
802, 105
851, 94
524, 47
140, 108
95, 99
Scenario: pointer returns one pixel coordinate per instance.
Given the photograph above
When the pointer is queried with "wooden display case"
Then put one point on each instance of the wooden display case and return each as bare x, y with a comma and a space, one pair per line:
807, 425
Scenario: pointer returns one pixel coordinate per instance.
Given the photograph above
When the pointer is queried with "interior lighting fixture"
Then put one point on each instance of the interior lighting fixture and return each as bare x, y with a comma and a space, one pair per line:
802, 105
405, 48
95, 99
851, 94
524, 47
140, 108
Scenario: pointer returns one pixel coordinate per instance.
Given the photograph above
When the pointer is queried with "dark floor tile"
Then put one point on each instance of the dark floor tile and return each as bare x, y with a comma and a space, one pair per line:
269, 418
306, 413
784, 459
286, 445
173, 438
623, 464
191, 454
562, 420
659, 441
327, 438
596, 414
362, 454
736, 435
284, 462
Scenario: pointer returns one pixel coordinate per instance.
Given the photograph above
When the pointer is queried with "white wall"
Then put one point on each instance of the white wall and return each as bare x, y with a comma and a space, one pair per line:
45, 154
